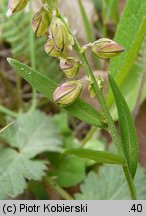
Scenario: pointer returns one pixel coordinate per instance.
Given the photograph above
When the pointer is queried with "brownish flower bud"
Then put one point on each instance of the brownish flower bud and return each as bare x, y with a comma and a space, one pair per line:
68, 92
41, 21
52, 51
60, 35
106, 48
70, 67
15, 6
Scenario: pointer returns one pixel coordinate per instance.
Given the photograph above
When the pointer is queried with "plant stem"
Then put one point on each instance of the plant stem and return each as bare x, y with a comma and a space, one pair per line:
111, 126
8, 112
89, 136
110, 122
33, 59
57, 188
130, 182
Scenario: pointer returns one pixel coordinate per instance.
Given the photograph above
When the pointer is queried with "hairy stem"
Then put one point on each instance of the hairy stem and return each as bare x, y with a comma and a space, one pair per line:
110, 122
111, 126
130, 182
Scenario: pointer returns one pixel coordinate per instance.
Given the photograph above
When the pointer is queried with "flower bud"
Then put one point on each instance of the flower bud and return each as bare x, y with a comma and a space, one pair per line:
68, 92
15, 6
52, 51
70, 67
41, 21
106, 48
60, 35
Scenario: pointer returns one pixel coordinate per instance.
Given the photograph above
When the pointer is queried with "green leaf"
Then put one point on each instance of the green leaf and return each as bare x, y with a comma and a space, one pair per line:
46, 86
15, 169
70, 171
110, 184
98, 156
128, 131
130, 34
31, 134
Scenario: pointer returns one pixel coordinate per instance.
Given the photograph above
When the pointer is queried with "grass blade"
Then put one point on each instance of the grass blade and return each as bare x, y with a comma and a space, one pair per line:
128, 131
98, 156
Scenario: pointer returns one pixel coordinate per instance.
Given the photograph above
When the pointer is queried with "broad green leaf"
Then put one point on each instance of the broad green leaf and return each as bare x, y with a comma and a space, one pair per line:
98, 156
70, 171
132, 84
128, 131
33, 133
110, 184
130, 89
46, 86
130, 34
15, 169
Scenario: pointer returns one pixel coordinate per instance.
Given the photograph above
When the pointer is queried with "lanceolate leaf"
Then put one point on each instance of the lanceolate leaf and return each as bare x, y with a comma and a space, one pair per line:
130, 34
98, 156
128, 132
46, 86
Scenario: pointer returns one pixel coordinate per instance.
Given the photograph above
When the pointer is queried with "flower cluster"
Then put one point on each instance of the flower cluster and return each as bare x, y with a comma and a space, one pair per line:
59, 41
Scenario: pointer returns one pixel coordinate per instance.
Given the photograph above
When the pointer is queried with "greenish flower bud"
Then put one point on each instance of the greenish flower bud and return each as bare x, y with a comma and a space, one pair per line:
15, 6
60, 35
68, 92
100, 82
52, 51
70, 67
41, 21
106, 48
